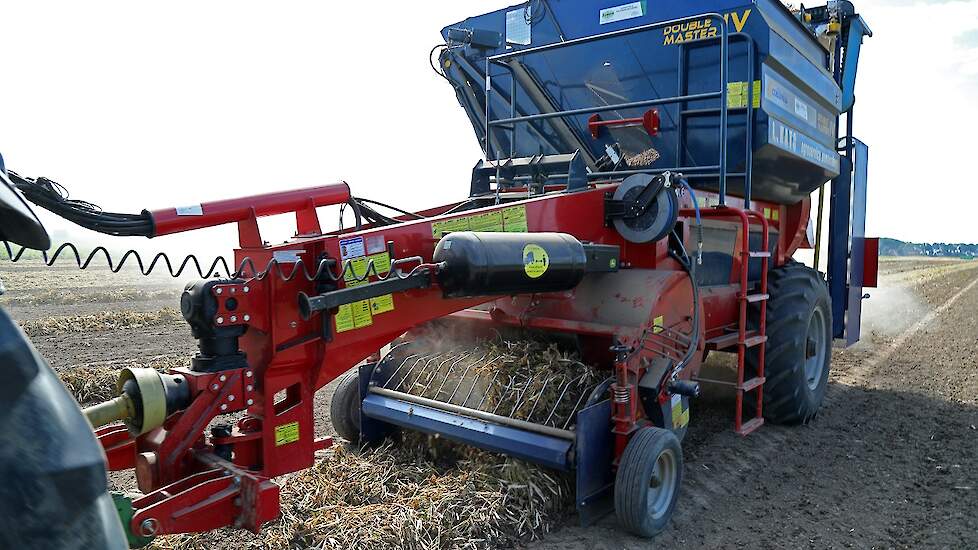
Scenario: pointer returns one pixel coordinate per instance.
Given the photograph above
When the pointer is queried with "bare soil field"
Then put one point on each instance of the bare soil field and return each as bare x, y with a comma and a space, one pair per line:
891, 461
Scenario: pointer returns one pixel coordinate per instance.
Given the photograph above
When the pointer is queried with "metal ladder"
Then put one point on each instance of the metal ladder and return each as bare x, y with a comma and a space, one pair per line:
743, 337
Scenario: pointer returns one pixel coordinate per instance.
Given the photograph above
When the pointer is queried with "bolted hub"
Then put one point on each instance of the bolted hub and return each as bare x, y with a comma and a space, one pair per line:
811, 348
218, 344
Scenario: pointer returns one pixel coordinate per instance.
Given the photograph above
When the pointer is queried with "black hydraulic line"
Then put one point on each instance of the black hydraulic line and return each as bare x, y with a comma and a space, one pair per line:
52, 196
389, 207
690, 269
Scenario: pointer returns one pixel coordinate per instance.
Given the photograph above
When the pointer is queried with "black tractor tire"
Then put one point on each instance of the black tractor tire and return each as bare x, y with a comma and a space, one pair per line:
799, 345
647, 484
344, 408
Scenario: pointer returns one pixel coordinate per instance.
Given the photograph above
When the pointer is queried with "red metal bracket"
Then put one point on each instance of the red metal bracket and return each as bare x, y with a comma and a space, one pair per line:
218, 497
239, 304
871, 262
162, 453
119, 446
649, 121
246, 210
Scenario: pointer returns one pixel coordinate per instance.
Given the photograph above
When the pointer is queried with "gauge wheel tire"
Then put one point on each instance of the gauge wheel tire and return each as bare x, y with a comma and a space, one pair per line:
647, 483
344, 408
798, 351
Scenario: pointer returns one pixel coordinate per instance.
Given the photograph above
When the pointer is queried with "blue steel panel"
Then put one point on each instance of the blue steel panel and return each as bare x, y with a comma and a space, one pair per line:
838, 263
856, 264
540, 449
857, 30
785, 25
645, 65
595, 478
371, 431
802, 72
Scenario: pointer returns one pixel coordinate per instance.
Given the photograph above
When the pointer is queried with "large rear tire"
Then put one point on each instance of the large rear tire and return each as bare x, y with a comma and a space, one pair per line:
799, 345
344, 408
648, 480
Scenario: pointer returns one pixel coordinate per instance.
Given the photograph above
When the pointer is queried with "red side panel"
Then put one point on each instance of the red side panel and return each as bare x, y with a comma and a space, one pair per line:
871, 261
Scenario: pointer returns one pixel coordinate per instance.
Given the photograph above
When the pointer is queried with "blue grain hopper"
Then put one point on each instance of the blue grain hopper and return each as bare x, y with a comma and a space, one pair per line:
785, 87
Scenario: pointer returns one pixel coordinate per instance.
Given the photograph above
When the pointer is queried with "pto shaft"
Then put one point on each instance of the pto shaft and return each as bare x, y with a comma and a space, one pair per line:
114, 410
146, 398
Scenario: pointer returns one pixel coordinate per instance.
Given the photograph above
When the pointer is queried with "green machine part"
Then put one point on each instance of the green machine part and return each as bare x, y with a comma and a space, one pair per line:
123, 505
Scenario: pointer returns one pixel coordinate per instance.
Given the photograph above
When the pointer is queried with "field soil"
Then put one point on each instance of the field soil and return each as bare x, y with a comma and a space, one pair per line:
891, 461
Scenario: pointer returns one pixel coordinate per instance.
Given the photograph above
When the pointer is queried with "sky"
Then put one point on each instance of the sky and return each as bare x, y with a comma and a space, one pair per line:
135, 105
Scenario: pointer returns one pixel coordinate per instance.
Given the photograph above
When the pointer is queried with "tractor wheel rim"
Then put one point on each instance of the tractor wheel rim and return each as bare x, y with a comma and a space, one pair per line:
662, 486
815, 342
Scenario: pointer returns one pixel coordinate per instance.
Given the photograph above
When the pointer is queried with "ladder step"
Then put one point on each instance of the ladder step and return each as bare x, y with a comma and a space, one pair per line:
754, 298
755, 340
747, 427
724, 341
714, 381
759, 254
733, 338
752, 384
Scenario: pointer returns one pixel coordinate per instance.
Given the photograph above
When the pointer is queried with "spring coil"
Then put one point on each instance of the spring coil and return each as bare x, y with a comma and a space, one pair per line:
621, 394
247, 268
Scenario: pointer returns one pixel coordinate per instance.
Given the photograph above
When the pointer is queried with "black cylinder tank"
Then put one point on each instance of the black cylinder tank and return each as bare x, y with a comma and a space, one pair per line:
489, 264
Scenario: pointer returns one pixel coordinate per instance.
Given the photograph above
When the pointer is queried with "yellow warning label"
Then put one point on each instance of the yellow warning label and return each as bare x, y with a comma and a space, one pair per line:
680, 415
707, 201
358, 314
657, 324
440, 229
514, 219
535, 261
382, 262
361, 314
344, 319
382, 304
511, 219
737, 95
357, 271
286, 433
382, 265
489, 221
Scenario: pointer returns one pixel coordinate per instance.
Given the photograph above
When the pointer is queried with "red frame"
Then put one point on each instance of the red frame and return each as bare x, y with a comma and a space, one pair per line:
648, 121
188, 489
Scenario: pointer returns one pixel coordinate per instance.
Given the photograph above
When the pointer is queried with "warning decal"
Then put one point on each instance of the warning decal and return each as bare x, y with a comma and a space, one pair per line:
286, 433
511, 219
361, 314
680, 415
535, 261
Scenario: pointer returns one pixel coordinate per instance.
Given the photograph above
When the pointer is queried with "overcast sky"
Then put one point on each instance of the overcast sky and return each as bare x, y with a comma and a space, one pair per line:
138, 105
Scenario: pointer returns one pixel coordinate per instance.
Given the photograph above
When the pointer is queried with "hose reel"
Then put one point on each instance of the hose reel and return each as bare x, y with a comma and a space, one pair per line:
644, 208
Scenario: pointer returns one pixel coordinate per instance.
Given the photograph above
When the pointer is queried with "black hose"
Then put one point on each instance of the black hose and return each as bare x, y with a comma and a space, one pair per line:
690, 269
394, 208
52, 196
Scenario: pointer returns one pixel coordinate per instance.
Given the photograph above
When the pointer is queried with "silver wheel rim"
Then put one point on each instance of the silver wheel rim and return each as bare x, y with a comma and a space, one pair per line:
815, 350
663, 484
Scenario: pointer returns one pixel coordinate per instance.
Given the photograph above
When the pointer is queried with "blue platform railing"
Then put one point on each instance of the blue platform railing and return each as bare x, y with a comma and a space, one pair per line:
719, 170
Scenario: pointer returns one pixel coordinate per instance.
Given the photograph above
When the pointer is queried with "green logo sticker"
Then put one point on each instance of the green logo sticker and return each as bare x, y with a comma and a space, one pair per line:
535, 261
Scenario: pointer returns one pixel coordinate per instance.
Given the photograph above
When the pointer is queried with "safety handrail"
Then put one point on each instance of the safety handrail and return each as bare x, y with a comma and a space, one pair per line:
512, 120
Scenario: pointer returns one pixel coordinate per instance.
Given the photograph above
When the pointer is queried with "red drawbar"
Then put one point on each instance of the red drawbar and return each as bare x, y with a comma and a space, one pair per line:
301, 201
